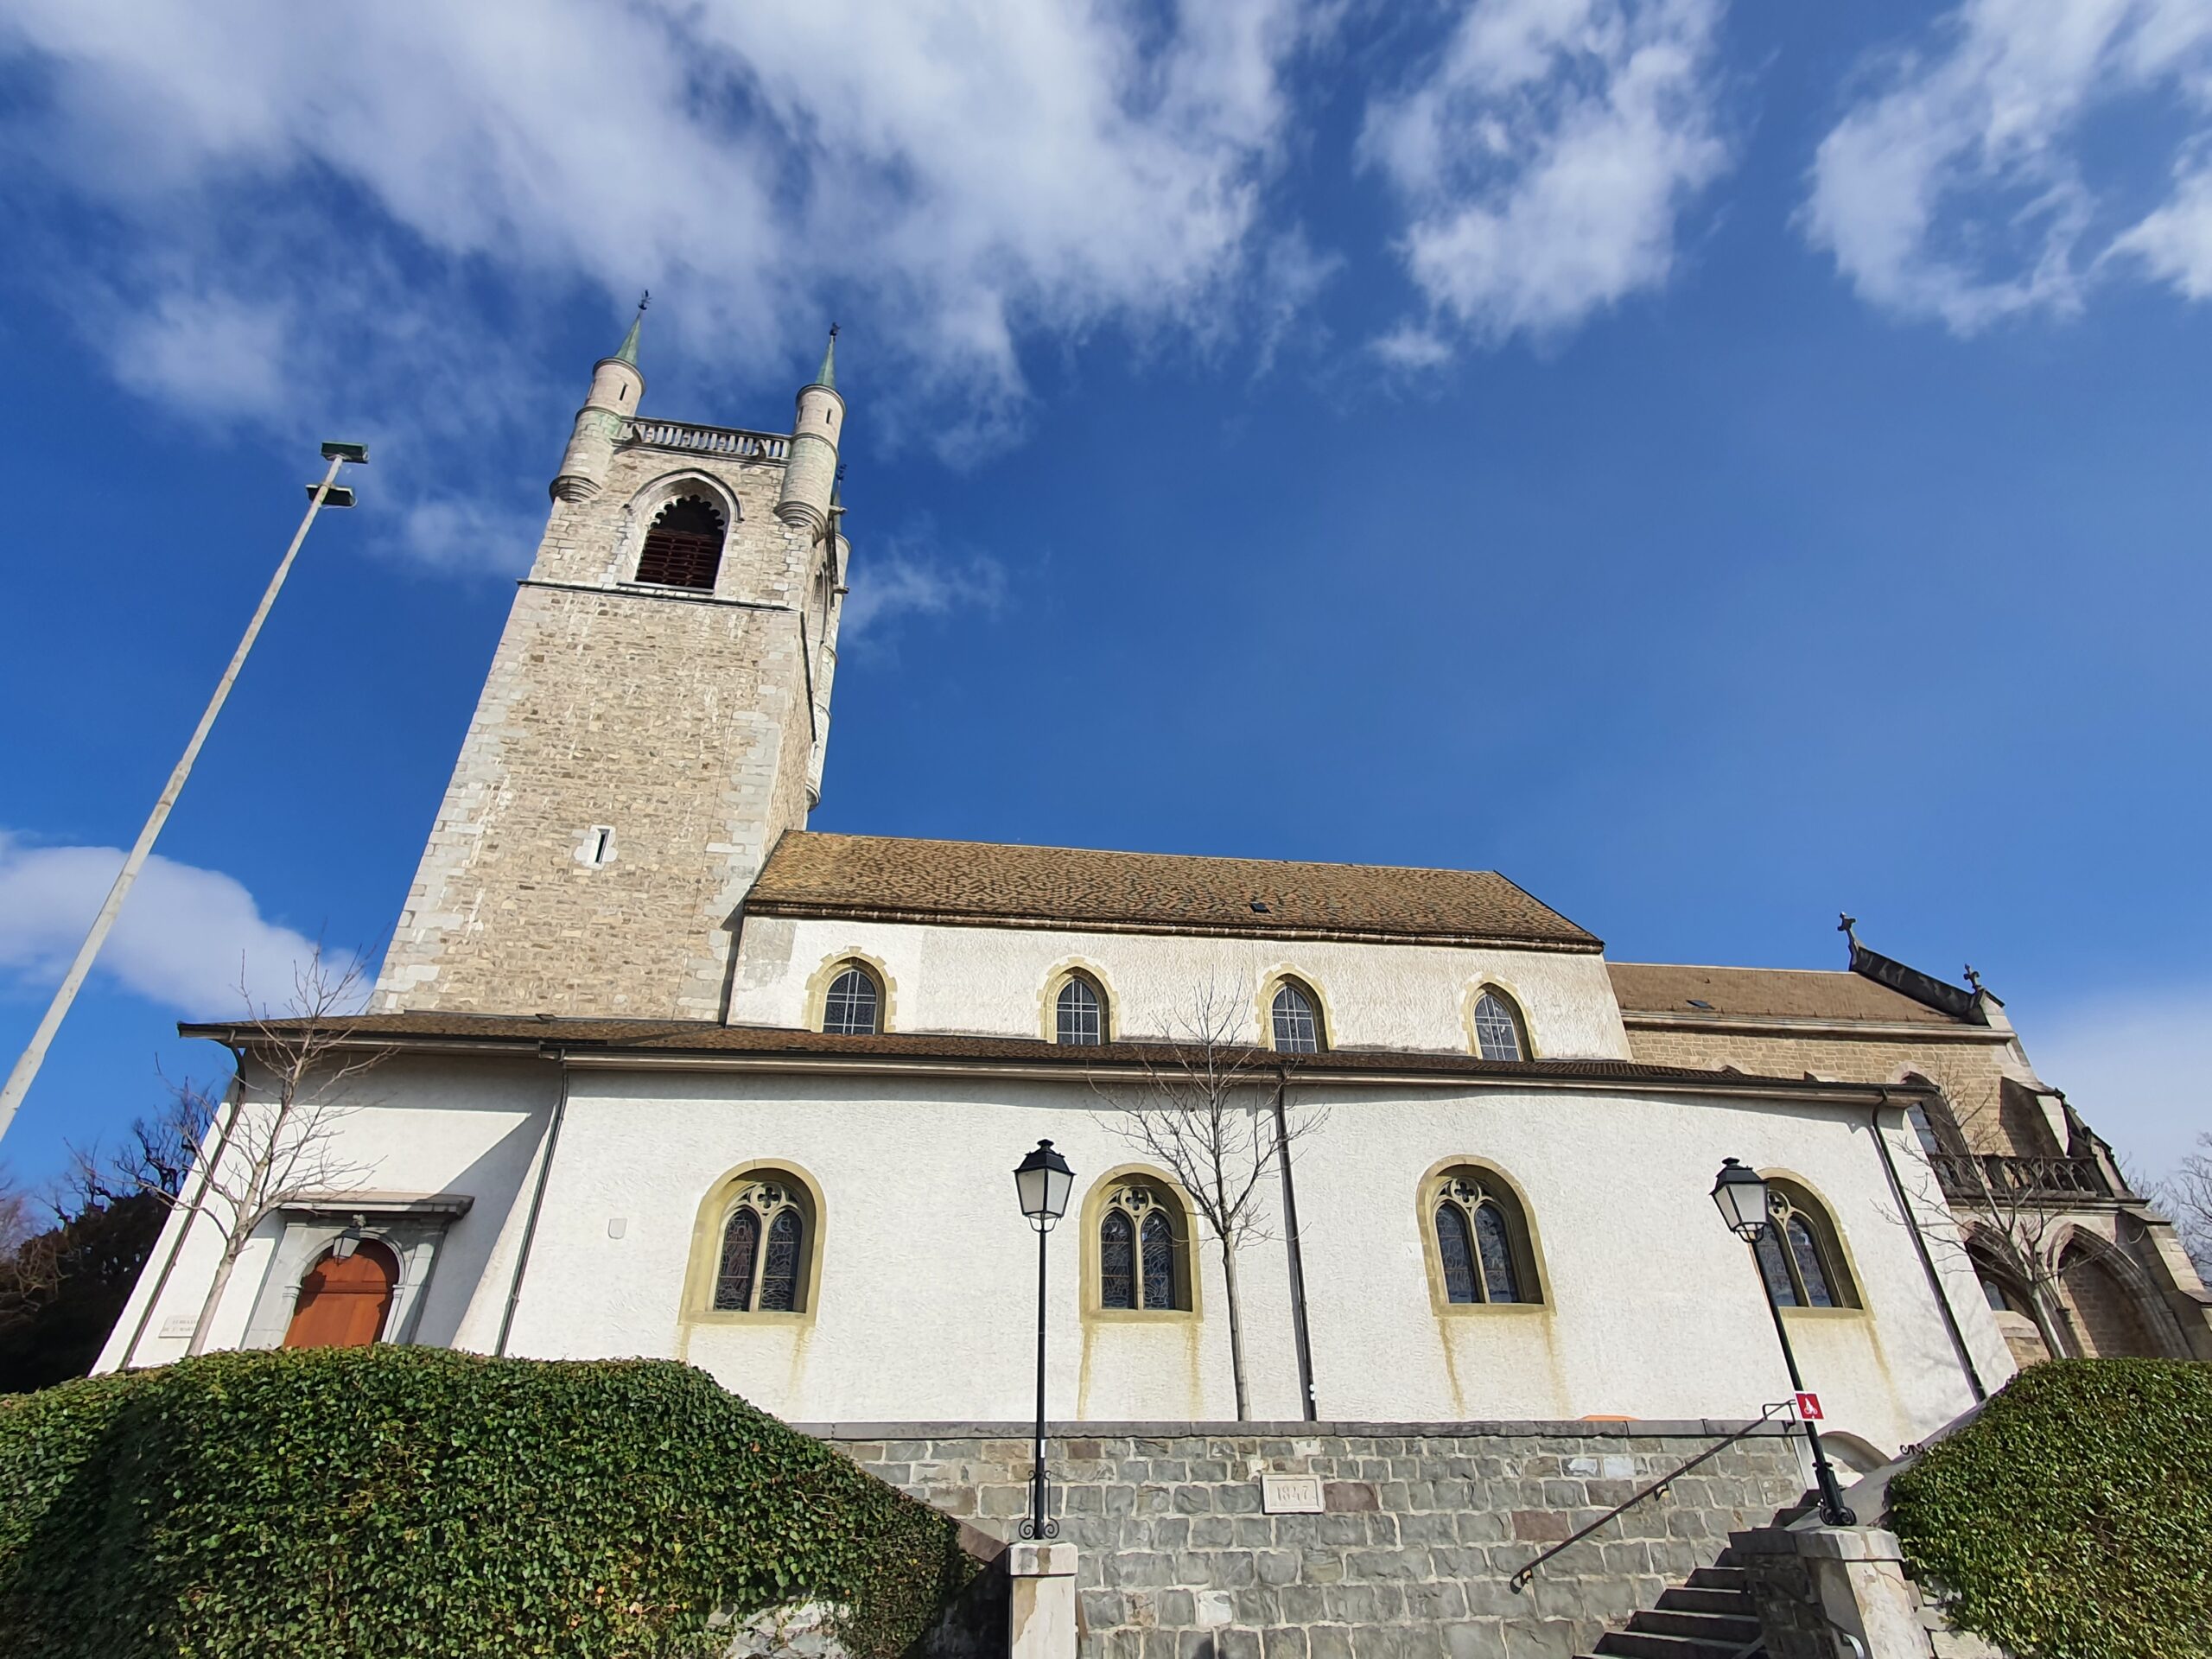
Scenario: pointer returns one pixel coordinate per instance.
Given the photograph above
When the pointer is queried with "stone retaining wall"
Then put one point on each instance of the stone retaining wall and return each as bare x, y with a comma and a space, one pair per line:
1422, 1526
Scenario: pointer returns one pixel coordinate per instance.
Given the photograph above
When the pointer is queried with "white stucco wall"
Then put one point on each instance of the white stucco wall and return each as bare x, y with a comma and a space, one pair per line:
993, 981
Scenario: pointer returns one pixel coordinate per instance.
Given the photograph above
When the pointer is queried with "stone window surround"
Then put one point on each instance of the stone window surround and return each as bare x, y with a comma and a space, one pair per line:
1048, 1000
1844, 1277
1529, 1256
1516, 1004
412, 1226
1092, 1214
637, 515
1272, 980
817, 989
704, 1262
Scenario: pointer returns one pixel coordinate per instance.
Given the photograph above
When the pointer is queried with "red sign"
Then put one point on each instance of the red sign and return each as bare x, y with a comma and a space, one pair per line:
1809, 1407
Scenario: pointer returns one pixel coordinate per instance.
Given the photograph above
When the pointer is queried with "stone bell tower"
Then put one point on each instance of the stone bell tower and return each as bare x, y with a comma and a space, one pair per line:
655, 717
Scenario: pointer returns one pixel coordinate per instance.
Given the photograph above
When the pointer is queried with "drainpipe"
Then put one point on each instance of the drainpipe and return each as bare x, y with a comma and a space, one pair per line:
530, 1227
1927, 1261
1295, 1256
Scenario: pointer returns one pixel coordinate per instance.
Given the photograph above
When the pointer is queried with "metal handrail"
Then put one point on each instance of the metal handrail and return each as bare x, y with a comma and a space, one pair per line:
1522, 1577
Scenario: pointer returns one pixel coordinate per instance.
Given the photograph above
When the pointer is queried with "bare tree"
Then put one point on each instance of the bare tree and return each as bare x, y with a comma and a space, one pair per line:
30, 1269
1202, 1112
275, 1141
2186, 1195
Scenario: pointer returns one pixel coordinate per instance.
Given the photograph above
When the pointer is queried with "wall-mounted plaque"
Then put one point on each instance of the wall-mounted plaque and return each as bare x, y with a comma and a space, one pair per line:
1290, 1494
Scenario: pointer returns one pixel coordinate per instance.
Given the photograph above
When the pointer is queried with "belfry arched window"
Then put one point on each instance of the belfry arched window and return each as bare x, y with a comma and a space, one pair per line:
683, 546
1801, 1254
854, 1004
1483, 1247
1144, 1257
1296, 1017
1079, 1013
1497, 1027
763, 1265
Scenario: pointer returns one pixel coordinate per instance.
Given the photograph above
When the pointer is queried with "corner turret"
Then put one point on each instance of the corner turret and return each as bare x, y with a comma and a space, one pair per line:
616, 384
811, 475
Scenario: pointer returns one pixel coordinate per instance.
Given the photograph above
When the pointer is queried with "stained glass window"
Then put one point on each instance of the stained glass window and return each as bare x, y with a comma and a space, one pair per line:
1159, 1262
1080, 1015
849, 1009
1811, 1273
1497, 1033
1499, 1278
1118, 1276
1297, 1029
1458, 1256
780, 1272
1779, 1284
733, 1277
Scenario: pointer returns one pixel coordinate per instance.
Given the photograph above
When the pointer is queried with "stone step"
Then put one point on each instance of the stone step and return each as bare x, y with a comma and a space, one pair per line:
1717, 1577
1730, 1629
1650, 1644
1691, 1598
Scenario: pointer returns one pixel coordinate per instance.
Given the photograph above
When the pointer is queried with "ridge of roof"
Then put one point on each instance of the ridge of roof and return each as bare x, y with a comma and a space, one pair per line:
1776, 994
815, 873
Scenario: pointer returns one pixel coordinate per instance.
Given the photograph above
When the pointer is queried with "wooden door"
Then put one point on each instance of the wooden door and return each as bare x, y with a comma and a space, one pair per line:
343, 1302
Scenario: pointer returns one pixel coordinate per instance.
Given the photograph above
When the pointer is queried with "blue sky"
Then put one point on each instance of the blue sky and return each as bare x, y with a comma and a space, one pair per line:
1715, 464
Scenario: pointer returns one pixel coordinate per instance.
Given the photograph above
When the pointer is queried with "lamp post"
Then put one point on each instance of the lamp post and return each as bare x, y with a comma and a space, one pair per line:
328, 493
1741, 1197
1043, 1180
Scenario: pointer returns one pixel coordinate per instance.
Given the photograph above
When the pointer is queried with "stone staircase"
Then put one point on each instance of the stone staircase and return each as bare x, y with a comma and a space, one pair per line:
1709, 1616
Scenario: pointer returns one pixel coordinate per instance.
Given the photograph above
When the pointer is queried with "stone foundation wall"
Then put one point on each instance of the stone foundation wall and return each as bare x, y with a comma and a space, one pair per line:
1422, 1527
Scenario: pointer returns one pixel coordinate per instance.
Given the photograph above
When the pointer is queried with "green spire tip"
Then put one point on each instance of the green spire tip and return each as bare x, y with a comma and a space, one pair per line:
628, 353
827, 377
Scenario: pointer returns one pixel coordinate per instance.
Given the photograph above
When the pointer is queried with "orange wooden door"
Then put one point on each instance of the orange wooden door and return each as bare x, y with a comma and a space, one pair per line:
342, 1303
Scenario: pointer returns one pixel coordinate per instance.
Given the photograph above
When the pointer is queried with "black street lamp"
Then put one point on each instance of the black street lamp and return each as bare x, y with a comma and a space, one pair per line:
1043, 1179
1741, 1197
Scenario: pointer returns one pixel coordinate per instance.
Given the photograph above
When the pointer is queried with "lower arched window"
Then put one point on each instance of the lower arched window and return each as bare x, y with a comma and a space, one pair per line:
763, 1263
1497, 1027
1296, 1017
1799, 1254
1143, 1250
854, 1004
1482, 1247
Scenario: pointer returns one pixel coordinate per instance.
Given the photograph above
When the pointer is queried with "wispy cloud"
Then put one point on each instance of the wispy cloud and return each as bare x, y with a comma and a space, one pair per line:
1954, 188
912, 573
184, 938
2135, 1063
1546, 157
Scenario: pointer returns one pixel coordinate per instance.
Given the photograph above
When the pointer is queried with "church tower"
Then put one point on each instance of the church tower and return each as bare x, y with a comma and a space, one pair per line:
655, 717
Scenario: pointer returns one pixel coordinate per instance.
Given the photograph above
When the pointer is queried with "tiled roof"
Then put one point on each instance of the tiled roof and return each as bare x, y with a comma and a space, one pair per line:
1763, 993
674, 1039
884, 878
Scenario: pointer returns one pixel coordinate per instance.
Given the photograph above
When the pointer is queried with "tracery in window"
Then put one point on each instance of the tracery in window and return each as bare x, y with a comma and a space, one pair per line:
683, 546
1799, 1254
854, 1005
1143, 1256
1297, 1020
1497, 1027
762, 1265
1079, 1013
1483, 1245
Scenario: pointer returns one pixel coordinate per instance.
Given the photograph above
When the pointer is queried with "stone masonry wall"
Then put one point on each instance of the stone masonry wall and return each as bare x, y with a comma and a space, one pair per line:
1422, 1528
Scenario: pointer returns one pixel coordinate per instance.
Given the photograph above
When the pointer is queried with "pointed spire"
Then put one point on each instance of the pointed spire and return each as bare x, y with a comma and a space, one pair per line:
628, 353
827, 377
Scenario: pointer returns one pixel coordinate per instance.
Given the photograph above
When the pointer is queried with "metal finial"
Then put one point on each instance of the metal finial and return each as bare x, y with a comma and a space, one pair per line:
1973, 979
645, 299
1848, 926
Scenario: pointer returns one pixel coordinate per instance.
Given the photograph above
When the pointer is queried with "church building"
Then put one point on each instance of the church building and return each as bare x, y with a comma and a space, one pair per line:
659, 1070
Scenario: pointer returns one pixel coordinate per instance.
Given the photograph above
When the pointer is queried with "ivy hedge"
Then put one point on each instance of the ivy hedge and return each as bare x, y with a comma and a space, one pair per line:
2073, 1518
344, 1503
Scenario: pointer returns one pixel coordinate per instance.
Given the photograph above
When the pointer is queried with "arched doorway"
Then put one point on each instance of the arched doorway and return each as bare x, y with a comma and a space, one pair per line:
2105, 1314
344, 1300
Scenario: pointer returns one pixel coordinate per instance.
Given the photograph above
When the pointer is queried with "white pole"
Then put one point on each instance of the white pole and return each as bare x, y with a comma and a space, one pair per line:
34, 1055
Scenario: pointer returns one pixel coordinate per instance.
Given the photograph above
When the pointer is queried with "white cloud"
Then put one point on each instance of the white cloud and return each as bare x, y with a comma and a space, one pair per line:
911, 576
183, 937
2135, 1065
1955, 188
952, 174
1546, 158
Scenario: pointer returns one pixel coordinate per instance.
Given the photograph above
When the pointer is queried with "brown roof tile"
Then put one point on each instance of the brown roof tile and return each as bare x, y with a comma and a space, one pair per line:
885, 878
1763, 993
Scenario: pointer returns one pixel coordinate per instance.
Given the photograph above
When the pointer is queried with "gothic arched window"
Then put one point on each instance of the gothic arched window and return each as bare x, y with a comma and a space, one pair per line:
1079, 1013
1143, 1249
1497, 1027
683, 547
1482, 1239
854, 1005
1297, 1020
763, 1263
1799, 1254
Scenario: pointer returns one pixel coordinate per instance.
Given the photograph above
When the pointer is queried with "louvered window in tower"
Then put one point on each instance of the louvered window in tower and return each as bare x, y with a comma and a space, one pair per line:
683, 547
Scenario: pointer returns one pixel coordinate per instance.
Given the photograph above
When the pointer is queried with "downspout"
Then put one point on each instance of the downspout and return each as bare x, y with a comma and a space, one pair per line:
234, 1095
1295, 1256
530, 1226
1927, 1261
